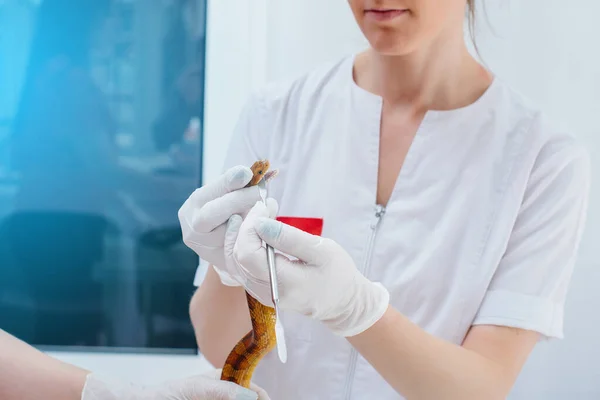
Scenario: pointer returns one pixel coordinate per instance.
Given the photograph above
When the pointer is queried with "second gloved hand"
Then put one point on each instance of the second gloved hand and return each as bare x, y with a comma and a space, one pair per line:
202, 387
323, 283
204, 215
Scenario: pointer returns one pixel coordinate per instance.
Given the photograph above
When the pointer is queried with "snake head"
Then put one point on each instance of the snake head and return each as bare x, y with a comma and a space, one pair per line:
260, 170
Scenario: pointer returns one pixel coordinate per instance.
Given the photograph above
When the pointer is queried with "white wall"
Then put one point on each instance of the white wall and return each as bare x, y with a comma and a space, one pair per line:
236, 65
546, 49
303, 34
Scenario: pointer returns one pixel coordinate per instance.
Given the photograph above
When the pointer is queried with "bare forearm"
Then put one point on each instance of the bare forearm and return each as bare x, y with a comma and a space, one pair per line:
421, 366
220, 317
28, 374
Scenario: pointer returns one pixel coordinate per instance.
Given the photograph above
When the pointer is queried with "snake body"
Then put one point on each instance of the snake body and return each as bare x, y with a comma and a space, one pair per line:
247, 353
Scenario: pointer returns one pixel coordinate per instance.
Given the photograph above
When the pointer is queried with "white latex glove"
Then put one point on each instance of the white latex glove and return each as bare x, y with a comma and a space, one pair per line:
202, 387
204, 215
323, 283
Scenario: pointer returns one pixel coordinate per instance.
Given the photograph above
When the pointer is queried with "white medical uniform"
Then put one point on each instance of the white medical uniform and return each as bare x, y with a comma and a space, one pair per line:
482, 227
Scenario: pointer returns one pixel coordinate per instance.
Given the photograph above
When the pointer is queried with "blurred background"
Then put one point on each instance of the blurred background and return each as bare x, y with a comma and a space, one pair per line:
100, 143
110, 118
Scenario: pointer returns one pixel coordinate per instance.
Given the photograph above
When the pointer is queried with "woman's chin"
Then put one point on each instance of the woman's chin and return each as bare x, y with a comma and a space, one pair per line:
392, 47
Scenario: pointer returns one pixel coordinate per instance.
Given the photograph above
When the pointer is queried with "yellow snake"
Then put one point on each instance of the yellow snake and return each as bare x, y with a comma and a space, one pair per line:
248, 352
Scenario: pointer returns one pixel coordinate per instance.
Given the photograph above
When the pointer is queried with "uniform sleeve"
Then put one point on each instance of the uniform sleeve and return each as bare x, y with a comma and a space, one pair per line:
529, 288
247, 144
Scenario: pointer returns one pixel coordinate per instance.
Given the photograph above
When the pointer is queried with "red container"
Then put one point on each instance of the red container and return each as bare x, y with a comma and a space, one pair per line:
313, 226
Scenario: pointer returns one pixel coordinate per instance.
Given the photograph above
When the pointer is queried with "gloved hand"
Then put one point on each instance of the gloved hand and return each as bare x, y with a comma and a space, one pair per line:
204, 215
203, 387
323, 283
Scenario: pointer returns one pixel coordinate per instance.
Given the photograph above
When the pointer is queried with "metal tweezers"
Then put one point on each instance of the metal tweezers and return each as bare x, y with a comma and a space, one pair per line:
279, 332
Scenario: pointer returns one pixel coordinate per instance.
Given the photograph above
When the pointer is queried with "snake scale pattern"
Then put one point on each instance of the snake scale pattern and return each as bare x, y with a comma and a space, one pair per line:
247, 353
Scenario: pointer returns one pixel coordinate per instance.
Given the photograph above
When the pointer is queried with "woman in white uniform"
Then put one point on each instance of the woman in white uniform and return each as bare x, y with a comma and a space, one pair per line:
452, 213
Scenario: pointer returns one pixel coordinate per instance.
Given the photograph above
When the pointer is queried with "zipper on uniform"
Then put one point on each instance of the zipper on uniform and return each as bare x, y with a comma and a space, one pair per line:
379, 212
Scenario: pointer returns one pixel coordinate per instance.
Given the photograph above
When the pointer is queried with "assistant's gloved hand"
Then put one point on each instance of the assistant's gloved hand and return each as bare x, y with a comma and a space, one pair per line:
204, 215
323, 284
202, 387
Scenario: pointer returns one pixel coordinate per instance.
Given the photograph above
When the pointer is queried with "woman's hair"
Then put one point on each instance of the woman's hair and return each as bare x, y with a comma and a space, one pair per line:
471, 20
471, 17
471, 5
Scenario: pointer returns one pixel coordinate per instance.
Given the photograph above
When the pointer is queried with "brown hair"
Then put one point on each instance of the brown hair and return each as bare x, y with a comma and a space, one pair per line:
471, 11
471, 19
